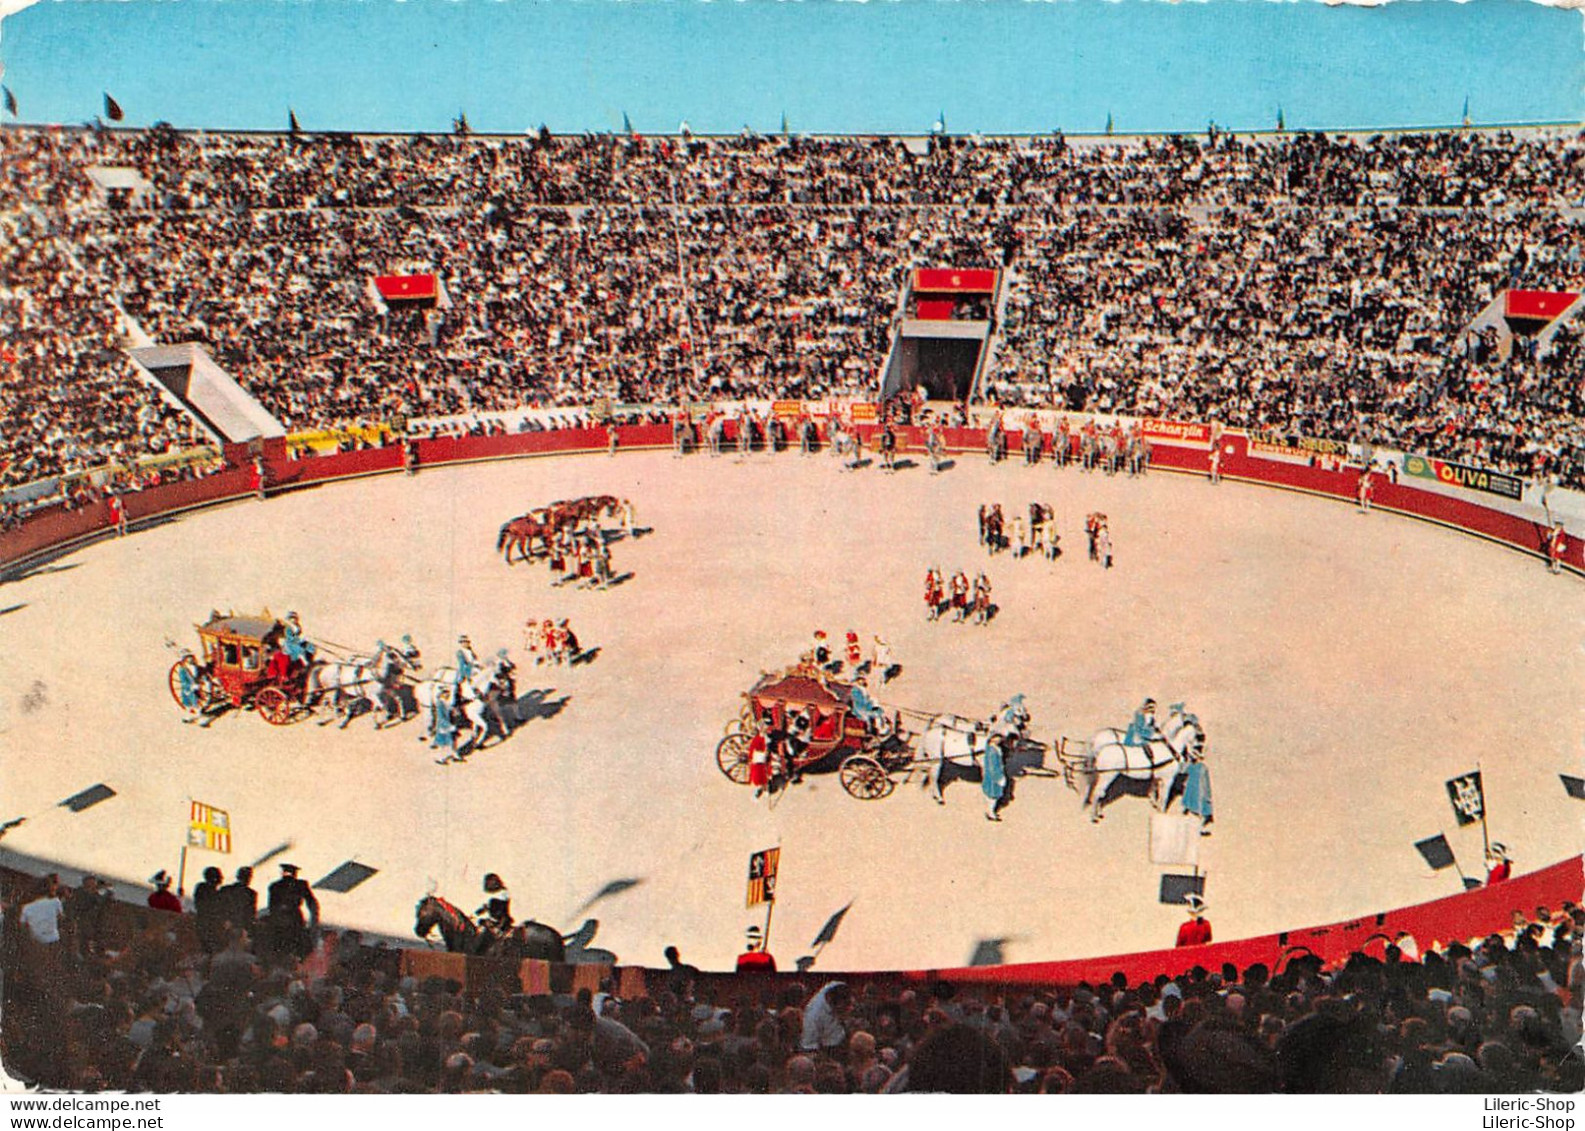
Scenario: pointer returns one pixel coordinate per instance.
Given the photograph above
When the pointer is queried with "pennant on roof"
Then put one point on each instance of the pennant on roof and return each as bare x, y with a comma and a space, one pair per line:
113, 109
10, 101
291, 120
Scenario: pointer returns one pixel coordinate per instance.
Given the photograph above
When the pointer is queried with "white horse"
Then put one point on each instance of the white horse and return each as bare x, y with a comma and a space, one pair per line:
469, 697
716, 435
362, 679
1159, 761
962, 742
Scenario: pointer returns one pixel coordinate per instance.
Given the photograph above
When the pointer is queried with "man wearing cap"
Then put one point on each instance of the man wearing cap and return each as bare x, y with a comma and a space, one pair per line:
286, 899
162, 898
755, 958
1196, 931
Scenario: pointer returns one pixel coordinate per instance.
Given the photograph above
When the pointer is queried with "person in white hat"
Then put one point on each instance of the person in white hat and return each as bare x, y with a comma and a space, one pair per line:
1196, 931
1498, 865
755, 958
162, 898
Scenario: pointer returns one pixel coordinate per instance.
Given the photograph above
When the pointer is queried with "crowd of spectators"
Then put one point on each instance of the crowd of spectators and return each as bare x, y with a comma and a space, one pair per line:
1297, 283
101, 996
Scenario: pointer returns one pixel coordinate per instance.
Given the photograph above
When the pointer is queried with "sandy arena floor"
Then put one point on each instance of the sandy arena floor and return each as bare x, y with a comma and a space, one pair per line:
1344, 666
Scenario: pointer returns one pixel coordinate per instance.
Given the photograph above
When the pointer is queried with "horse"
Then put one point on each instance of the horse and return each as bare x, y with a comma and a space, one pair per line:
370, 679
1107, 759
936, 448
462, 935
961, 742
520, 532
715, 435
476, 699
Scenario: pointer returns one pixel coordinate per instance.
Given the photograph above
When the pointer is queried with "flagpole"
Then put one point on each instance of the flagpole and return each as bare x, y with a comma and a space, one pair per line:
181, 873
1485, 834
770, 910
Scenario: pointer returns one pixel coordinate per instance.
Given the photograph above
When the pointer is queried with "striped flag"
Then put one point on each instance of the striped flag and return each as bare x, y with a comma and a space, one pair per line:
113, 109
208, 827
762, 868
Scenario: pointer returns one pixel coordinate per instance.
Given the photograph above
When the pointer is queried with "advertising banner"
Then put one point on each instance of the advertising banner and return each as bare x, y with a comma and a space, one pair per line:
1459, 475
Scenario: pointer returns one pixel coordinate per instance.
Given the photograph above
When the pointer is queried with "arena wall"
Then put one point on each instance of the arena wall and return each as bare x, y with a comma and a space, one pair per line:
1458, 917
56, 530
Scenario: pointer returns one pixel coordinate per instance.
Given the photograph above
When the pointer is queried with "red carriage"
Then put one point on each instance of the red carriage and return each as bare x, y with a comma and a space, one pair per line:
235, 669
828, 723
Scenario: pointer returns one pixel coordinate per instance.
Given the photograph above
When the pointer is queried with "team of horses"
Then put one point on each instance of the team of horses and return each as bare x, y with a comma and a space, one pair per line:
1105, 767
543, 525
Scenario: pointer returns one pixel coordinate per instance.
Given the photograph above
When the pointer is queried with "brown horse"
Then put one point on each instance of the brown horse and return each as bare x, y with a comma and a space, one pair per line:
520, 533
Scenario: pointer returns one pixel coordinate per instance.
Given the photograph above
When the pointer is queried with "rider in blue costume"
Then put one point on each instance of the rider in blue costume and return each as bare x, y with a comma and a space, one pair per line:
467, 659
298, 648
1143, 728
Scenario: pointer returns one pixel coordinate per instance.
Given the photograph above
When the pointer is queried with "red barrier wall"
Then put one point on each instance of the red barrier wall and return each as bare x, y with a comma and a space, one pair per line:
60, 528
1457, 918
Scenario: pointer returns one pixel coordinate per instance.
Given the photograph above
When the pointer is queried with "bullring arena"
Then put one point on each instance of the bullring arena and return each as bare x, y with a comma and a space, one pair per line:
1344, 665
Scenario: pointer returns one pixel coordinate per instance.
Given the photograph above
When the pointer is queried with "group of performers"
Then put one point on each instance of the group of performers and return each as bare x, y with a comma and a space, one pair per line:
849, 662
965, 600
550, 641
582, 557
1038, 536
1121, 447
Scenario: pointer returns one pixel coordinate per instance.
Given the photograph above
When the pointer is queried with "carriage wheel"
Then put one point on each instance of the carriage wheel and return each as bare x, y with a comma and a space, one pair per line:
732, 756
865, 778
273, 704
175, 681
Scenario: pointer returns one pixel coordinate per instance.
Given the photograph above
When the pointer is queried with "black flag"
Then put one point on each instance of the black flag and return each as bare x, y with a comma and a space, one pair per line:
829, 931
1575, 787
113, 109
11, 101
627, 124
1437, 852
1468, 797
291, 120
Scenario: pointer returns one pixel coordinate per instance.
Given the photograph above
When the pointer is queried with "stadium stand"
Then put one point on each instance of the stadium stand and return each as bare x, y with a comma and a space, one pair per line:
127, 998
1294, 283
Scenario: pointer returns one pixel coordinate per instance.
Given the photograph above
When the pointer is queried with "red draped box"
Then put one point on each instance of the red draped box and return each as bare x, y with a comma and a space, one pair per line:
1539, 306
407, 288
936, 310
950, 280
